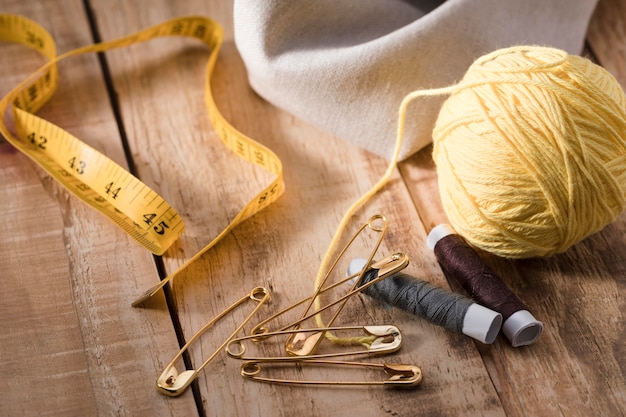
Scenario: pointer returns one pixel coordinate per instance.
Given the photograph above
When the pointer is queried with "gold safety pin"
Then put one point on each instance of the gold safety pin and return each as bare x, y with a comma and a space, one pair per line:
389, 340
300, 345
387, 266
173, 383
400, 375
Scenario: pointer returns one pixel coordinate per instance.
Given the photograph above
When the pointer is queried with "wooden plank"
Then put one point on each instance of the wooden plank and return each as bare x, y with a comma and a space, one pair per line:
577, 367
71, 344
281, 247
606, 35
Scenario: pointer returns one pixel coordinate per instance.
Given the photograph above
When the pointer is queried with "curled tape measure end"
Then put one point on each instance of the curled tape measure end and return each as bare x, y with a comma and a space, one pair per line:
149, 294
96, 179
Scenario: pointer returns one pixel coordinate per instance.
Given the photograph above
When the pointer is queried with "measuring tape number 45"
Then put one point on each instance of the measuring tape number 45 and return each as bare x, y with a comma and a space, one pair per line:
97, 180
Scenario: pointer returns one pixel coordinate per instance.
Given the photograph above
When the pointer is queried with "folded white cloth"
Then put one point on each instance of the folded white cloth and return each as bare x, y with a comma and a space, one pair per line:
345, 65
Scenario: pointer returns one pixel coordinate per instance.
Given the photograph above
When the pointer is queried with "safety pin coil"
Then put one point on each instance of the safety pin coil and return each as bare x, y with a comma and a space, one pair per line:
173, 383
389, 340
399, 375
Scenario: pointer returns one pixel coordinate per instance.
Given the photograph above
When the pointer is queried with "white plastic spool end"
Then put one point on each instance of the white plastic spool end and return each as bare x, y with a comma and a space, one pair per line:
522, 328
356, 265
438, 233
482, 323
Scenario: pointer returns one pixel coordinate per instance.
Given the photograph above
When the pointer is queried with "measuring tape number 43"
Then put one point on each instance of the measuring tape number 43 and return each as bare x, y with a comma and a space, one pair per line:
97, 180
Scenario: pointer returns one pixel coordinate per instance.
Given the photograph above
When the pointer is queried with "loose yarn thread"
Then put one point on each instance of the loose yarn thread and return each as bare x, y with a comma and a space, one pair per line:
530, 150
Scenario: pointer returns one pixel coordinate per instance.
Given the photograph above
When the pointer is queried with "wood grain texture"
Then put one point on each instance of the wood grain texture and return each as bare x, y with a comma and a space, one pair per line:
71, 344
281, 247
607, 37
577, 366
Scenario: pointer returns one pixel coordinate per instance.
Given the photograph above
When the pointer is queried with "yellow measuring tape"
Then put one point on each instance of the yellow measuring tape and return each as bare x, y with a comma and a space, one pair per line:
96, 179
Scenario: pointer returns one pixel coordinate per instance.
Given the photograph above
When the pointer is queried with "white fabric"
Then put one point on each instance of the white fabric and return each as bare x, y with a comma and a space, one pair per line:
345, 65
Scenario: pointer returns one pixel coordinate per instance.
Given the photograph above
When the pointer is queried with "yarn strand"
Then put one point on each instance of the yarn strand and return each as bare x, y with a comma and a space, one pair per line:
361, 201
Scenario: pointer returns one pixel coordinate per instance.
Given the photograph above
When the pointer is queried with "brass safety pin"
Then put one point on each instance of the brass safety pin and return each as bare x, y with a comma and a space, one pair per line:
173, 383
300, 344
386, 267
388, 340
296, 344
400, 375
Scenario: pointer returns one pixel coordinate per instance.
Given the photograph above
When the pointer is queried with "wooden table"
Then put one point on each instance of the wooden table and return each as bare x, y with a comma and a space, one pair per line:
72, 345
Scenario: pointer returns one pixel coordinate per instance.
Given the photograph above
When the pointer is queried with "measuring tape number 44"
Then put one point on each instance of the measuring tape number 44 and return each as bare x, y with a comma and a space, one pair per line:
97, 180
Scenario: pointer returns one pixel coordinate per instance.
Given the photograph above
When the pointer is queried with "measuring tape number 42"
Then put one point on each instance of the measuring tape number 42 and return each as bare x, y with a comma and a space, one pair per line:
97, 180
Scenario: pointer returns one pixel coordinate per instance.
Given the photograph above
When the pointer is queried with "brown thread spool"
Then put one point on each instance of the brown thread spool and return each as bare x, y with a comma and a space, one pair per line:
460, 262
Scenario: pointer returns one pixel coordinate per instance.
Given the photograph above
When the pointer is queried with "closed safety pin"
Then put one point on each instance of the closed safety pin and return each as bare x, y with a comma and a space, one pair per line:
173, 383
300, 345
386, 267
389, 340
400, 375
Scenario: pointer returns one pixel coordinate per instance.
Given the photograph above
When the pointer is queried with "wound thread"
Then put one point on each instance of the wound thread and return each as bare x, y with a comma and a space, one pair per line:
452, 311
420, 298
459, 261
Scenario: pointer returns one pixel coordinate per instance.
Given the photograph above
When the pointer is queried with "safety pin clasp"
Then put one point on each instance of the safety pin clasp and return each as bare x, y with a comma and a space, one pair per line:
302, 345
391, 264
172, 382
388, 340
385, 267
399, 375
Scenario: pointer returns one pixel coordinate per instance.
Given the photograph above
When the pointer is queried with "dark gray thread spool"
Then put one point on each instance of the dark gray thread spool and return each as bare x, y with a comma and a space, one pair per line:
444, 308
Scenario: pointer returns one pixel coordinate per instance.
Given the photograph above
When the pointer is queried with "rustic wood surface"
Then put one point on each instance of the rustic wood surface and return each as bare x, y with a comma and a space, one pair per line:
73, 345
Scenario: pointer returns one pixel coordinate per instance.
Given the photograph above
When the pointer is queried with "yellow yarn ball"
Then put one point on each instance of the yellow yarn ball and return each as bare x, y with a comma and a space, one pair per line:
531, 151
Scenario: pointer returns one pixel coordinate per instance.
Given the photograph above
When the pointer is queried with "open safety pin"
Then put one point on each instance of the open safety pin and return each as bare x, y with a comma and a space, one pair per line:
400, 375
300, 345
389, 340
385, 267
173, 383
